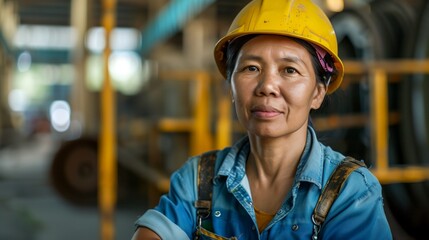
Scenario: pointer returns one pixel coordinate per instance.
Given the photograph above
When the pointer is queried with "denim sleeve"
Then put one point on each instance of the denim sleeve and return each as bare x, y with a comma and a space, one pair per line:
174, 216
358, 211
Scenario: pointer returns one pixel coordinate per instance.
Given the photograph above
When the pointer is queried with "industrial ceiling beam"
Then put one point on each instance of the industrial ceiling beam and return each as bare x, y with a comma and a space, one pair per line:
169, 21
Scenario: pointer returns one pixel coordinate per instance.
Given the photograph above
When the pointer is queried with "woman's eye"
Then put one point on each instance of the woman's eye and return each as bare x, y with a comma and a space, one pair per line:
252, 68
290, 70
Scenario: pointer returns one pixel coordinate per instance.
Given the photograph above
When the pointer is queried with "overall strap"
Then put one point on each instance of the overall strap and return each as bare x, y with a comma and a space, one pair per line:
206, 165
331, 191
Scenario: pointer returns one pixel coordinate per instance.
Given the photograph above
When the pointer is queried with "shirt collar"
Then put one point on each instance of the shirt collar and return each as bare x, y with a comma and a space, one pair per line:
309, 168
236, 155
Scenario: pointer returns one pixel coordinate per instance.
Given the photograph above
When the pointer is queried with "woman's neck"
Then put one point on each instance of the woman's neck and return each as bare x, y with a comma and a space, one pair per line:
271, 168
271, 158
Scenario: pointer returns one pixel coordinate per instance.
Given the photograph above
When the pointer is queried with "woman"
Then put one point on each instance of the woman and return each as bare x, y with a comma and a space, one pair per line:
280, 58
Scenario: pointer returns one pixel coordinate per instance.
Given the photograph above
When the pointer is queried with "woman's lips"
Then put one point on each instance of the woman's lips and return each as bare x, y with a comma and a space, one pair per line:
265, 112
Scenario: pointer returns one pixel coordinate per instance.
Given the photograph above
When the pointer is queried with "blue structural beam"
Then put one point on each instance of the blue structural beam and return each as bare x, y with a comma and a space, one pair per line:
37, 55
53, 56
170, 20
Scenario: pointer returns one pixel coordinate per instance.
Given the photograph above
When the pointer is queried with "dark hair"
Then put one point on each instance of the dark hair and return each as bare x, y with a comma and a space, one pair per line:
232, 51
321, 75
235, 45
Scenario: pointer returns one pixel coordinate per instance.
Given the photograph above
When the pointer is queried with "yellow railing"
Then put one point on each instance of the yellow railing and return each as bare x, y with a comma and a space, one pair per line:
198, 125
379, 116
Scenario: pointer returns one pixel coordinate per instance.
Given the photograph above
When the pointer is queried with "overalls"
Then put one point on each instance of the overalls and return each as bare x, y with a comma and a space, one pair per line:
325, 201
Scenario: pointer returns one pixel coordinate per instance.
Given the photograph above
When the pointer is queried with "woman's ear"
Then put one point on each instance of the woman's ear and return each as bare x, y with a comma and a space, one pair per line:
318, 96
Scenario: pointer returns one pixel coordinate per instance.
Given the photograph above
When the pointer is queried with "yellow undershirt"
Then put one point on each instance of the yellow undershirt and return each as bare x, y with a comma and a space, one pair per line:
263, 219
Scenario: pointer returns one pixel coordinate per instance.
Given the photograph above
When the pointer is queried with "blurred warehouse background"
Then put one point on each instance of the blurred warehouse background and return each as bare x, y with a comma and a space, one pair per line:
170, 103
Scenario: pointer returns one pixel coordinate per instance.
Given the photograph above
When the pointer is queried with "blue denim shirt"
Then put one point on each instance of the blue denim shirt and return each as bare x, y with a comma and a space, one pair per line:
356, 214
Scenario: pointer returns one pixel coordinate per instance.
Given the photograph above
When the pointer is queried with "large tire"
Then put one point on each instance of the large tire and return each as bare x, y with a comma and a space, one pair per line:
410, 206
381, 30
74, 171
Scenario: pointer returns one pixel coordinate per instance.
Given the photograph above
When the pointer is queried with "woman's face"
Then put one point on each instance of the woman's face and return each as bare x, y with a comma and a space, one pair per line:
274, 86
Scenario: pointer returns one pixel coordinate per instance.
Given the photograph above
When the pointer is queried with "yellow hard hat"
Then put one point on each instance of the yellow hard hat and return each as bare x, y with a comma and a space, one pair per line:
293, 18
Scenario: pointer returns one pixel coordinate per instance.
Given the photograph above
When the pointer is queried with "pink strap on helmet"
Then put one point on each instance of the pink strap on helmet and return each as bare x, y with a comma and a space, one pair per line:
321, 53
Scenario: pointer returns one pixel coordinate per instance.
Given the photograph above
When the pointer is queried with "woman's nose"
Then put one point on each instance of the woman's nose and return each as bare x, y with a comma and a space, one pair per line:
268, 85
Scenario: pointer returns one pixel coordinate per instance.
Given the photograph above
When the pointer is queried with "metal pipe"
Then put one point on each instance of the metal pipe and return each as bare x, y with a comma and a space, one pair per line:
107, 162
379, 112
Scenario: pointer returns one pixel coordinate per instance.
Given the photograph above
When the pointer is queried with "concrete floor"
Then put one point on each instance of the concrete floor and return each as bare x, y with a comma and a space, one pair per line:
31, 209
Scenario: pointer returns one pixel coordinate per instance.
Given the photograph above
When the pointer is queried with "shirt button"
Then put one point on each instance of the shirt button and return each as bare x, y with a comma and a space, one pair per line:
217, 214
253, 228
295, 227
281, 211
